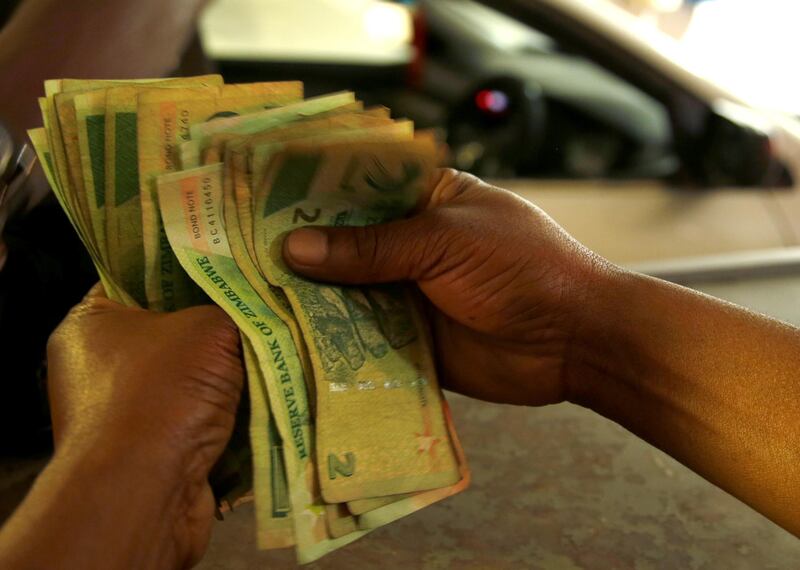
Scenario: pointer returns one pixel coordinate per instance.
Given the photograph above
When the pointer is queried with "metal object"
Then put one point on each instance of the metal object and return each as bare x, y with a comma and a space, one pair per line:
739, 265
6, 151
16, 164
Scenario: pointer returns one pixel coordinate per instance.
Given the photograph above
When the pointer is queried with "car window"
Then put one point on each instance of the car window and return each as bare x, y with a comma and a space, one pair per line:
493, 28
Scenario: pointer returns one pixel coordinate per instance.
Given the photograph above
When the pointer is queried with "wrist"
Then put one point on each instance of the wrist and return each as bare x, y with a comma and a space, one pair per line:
635, 337
600, 356
96, 508
100, 460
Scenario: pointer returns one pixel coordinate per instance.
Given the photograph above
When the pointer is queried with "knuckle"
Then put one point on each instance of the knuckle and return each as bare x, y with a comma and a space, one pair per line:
56, 340
370, 247
89, 306
212, 313
77, 318
451, 184
440, 243
215, 322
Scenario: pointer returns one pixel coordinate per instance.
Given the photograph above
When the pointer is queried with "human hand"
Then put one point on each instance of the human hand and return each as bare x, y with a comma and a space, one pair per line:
508, 285
163, 388
524, 314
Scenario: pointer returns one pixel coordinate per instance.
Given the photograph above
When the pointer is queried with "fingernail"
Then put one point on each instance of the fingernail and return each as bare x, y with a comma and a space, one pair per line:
307, 246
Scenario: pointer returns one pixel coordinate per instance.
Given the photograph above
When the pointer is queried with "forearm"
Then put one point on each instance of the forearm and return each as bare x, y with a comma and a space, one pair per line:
713, 385
96, 510
86, 38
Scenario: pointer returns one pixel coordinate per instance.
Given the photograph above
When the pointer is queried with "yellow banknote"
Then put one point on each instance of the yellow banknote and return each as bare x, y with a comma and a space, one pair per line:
164, 122
198, 237
371, 364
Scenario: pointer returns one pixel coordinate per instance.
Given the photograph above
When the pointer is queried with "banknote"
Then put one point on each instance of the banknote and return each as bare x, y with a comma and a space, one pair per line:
48, 145
343, 427
273, 507
339, 520
90, 114
41, 146
69, 84
190, 203
370, 363
238, 217
67, 119
272, 296
123, 208
164, 119
64, 132
60, 170
124, 216
201, 134
238, 150
361, 506
373, 125
405, 506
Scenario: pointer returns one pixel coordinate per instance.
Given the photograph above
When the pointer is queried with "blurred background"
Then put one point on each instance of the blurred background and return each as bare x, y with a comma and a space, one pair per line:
674, 122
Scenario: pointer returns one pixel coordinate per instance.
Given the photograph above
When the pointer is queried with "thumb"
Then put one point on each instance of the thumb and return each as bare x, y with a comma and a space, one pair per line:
397, 251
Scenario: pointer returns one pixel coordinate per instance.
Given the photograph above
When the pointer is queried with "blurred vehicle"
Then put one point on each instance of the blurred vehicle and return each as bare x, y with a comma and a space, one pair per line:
565, 93
520, 104
636, 154
510, 101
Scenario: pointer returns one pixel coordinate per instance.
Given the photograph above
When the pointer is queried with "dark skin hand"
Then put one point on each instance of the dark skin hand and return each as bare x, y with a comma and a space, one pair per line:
143, 405
523, 314
499, 272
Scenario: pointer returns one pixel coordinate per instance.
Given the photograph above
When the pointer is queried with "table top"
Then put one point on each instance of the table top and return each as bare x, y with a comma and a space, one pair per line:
553, 488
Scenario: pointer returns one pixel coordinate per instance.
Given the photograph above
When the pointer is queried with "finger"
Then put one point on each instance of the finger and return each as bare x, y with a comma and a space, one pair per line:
397, 251
96, 299
408, 249
96, 292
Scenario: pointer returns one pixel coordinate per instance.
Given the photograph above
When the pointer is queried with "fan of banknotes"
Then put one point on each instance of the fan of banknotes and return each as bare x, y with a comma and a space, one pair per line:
182, 191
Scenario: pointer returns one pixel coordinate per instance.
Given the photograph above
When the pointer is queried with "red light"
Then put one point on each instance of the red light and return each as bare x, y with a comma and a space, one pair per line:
483, 99
492, 101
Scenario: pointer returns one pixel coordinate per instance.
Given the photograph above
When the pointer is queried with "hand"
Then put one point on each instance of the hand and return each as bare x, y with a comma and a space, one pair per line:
160, 387
507, 284
523, 314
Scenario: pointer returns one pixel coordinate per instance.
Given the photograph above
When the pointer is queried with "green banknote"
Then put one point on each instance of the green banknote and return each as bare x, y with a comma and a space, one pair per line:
60, 169
123, 208
90, 112
273, 505
41, 145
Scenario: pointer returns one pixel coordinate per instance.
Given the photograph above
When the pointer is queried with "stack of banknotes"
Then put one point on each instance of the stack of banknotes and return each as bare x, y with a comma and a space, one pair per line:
182, 191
